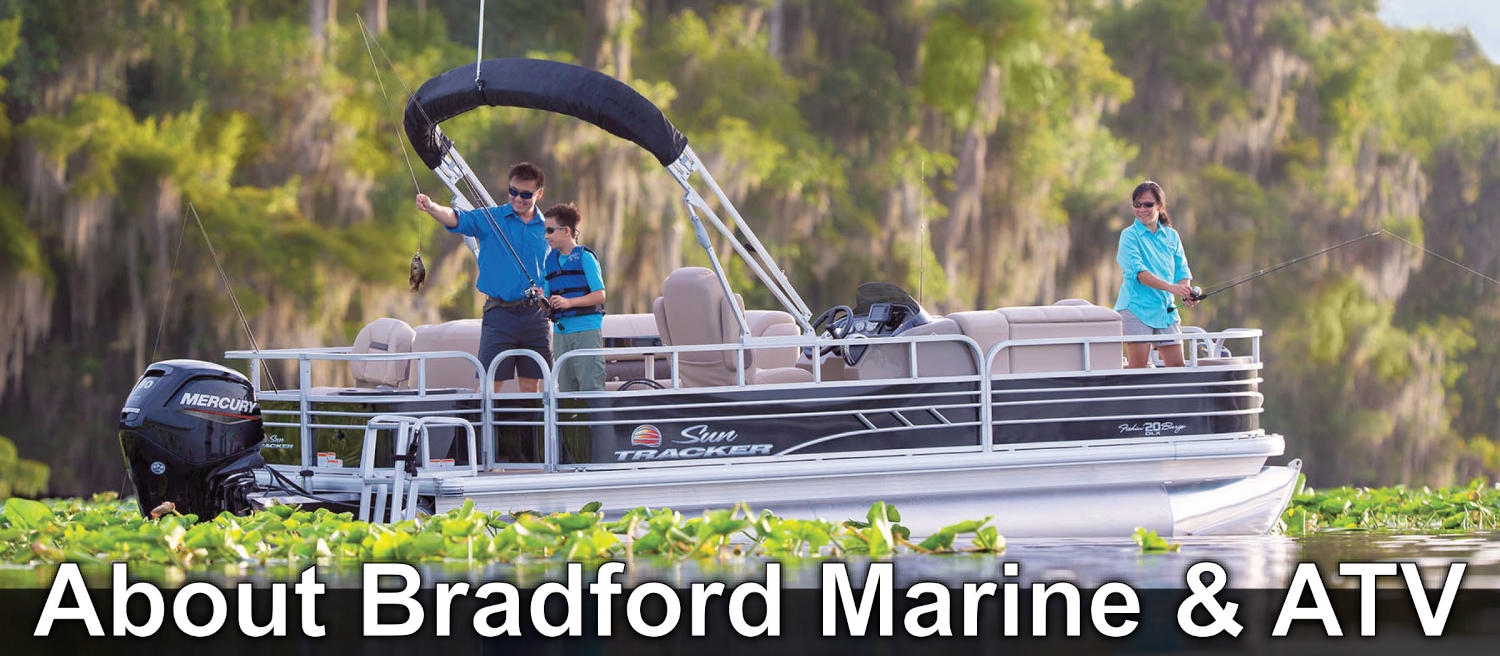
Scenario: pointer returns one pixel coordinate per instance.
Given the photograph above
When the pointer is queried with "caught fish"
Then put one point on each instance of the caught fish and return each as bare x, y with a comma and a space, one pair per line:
418, 272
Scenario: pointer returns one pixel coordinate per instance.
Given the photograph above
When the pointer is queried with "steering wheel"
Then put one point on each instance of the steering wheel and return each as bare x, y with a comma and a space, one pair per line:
839, 320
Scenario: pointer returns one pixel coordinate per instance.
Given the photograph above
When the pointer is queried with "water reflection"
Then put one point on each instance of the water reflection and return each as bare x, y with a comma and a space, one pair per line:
1252, 562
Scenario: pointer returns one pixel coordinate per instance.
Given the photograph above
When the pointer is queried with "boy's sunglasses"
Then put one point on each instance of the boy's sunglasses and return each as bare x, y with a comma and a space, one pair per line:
1148, 204
525, 195
551, 229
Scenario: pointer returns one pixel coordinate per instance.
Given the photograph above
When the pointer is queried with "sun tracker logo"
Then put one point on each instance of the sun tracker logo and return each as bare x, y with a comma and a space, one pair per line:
645, 436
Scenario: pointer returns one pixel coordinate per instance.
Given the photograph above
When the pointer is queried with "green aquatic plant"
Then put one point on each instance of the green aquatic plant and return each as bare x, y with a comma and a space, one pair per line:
1150, 542
105, 529
19, 475
1399, 508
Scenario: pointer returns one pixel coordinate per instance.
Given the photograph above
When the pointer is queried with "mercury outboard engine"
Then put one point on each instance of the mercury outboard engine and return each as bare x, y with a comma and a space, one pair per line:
191, 433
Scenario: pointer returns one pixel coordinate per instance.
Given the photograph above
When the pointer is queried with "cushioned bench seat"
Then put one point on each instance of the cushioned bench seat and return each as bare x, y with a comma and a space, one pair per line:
1068, 318
458, 335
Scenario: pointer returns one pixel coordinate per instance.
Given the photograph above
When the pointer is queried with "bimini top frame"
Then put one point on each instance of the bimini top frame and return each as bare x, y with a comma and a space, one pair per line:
605, 102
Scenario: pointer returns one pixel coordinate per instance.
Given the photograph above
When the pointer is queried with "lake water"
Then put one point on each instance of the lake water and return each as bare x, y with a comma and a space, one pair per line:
1251, 562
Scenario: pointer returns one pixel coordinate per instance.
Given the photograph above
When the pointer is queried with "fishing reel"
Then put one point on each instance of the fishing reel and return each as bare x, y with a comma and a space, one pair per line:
1197, 295
539, 299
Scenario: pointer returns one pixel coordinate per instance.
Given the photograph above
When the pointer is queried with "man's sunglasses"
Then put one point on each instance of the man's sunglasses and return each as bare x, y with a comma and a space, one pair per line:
525, 195
1148, 204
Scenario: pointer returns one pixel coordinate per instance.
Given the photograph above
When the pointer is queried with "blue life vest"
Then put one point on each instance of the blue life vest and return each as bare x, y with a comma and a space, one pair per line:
571, 283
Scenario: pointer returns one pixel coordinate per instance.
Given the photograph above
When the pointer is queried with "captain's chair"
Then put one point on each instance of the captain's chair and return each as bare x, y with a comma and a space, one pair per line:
692, 309
383, 335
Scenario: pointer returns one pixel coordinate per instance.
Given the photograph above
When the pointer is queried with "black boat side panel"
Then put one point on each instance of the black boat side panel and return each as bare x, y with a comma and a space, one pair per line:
743, 423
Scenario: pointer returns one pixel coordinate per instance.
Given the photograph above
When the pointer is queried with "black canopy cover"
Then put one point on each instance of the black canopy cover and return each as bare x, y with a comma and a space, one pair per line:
538, 84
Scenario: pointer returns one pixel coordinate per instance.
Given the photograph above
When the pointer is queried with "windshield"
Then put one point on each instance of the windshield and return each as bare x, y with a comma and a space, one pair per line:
871, 293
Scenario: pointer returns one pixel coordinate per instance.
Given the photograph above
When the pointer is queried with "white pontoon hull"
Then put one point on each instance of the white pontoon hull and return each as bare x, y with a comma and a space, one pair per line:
1209, 487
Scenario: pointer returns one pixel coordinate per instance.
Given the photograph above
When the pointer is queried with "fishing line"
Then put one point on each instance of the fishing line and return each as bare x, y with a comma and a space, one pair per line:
232, 299
1267, 271
417, 268
411, 99
1377, 233
404, 87
478, 85
400, 141
1235, 282
1442, 257
167, 302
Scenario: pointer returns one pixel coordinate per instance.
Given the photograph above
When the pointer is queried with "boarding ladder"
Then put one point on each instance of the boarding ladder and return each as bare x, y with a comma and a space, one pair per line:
403, 489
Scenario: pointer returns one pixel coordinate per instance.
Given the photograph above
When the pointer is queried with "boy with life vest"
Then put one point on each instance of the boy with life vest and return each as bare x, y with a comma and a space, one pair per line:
576, 290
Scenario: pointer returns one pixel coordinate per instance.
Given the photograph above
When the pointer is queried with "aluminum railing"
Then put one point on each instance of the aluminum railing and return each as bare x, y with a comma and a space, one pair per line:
545, 415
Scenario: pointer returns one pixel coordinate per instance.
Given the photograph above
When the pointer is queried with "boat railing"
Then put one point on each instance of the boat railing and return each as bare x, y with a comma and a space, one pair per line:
1213, 341
541, 410
903, 397
1033, 411
310, 412
751, 344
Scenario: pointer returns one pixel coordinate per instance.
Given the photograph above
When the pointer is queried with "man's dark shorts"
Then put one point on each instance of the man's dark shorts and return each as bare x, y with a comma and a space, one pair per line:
520, 327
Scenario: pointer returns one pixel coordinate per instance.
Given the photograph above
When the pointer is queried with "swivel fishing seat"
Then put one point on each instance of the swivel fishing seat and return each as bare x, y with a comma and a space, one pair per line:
693, 309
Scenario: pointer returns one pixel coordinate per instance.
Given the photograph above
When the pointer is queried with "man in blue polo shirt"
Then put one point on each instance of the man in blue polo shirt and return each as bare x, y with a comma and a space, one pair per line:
511, 320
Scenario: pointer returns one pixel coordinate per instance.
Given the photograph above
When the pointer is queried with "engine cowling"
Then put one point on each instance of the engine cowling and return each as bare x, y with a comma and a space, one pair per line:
191, 433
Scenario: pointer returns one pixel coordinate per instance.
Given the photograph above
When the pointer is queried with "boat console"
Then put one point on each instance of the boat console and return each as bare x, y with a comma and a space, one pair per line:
881, 309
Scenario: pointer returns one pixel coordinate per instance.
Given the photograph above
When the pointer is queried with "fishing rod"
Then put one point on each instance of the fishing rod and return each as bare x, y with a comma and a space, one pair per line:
1199, 295
230, 288
531, 295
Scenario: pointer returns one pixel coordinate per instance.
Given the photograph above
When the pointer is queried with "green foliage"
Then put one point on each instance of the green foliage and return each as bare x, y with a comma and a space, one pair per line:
104, 530
1467, 508
969, 36
10, 33
1150, 542
1170, 39
20, 250
734, 97
19, 476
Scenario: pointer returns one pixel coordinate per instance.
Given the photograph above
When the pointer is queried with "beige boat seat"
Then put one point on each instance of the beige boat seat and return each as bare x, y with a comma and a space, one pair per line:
459, 335
383, 335
693, 309
1067, 318
986, 327
773, 323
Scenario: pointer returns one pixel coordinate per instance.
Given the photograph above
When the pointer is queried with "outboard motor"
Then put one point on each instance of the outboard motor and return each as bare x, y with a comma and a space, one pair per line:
191, 433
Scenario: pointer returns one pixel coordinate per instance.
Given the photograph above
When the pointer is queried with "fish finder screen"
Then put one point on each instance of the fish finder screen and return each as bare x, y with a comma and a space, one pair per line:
880, 312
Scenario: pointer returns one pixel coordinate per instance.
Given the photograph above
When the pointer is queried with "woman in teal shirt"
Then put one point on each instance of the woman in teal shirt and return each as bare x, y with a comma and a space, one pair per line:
1151, 255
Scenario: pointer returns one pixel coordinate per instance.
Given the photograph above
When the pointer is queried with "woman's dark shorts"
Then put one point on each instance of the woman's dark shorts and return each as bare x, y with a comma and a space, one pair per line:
520, 327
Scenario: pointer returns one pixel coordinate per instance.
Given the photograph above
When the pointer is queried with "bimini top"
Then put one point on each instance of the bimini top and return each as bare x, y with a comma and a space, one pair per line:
538, 84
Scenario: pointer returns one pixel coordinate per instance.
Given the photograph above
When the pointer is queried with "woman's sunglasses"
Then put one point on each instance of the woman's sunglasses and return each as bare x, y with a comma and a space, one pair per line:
1148, 204
525, 195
